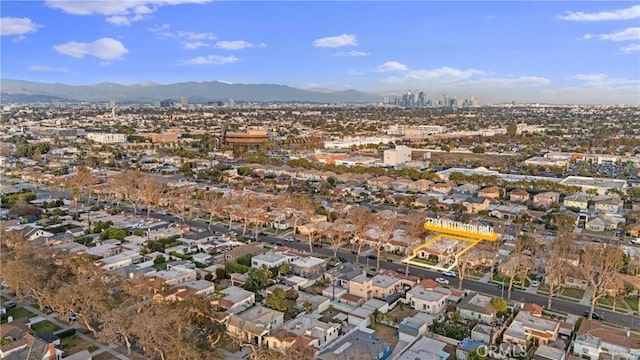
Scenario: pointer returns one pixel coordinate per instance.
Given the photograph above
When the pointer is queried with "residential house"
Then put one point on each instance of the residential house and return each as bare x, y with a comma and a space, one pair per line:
32, 232
443, 188
578, 201
414, 326
529, 329
466, 189
484, 333
476, 204
491, 192
420, 186
383, 286
595, 341
271, 259
255, 324
287, 342
361, 286
252, 248
427, 300
175, 276
612, 205
20, 342
311, 325
358, 344
466, 347
519, 195
546, 352
343, 273
546, 198
477, 307
425, 348
236, 299
309, 267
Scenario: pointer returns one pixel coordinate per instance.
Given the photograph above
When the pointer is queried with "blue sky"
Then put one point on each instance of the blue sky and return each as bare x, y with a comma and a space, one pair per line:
563, 52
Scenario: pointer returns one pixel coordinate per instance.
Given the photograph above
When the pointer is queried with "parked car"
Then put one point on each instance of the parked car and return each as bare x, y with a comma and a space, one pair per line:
9, 305
289, 238
279, 243
442, 281
503, 286
594, 316
535, 283
450, 274
372, 257
317, 245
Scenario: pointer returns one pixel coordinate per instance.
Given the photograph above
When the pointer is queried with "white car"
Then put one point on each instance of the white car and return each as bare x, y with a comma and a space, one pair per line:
450, 274
535, 283
442, 281
289, 239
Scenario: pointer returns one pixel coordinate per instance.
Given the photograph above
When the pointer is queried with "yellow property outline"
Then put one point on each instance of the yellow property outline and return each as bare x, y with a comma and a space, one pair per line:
472, 238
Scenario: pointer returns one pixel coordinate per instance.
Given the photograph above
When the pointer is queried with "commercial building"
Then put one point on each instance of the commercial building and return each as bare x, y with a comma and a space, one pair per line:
105, 138
398, 156
249, 137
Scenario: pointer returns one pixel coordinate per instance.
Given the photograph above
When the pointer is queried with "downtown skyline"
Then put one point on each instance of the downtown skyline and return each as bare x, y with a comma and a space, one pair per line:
555, 52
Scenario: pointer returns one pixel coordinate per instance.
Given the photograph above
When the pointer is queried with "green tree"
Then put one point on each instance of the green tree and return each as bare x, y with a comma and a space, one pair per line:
276, 300
258, 279
285, 268
500, 305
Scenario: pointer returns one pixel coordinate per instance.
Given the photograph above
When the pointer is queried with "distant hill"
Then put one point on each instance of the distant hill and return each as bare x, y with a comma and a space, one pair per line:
197, 92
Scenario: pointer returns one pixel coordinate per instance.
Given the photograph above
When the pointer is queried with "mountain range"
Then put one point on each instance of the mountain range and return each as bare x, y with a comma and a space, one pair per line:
21, 91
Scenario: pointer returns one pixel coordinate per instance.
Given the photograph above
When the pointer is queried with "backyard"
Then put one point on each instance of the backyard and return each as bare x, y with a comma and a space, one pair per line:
386, 333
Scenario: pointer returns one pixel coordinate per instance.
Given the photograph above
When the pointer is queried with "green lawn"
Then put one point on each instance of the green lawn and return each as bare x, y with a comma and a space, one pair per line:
573, 293
273, 231
632, 301
608, 302
497, 278
20, 313
45, 326
425, 261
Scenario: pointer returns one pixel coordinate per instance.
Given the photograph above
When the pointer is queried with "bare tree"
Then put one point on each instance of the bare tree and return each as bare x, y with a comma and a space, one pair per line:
463, 263
213, 203
388, 223
415, 233
150, 191
600, 266
522, 262
555, 265
301, 208
78, 183
361, 218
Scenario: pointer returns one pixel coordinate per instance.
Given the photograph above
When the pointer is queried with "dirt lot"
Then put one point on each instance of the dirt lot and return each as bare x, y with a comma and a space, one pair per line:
401, 312
386, 333
458, 159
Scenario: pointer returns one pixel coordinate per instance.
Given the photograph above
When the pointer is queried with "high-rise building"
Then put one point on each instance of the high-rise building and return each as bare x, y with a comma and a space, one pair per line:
421, 101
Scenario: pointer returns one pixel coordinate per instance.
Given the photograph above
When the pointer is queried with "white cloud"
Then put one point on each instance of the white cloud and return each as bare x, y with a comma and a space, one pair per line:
195, 45
104, 49
210, 60
336, 41
603, 80
391, 66
352, 53
443, 74
630, 48
509, 82
17, 26
189, 39
629, 13
632, 33
121, 12
44, 68
234, 45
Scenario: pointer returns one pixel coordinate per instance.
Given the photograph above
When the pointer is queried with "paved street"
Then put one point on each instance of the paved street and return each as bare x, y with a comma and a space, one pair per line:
558, 304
